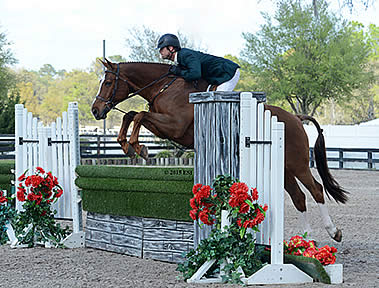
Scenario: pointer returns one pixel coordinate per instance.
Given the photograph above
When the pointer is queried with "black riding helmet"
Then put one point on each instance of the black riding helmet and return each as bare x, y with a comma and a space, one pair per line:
169, 40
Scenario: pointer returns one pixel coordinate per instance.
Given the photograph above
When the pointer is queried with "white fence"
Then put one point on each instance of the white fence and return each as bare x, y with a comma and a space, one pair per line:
55, 148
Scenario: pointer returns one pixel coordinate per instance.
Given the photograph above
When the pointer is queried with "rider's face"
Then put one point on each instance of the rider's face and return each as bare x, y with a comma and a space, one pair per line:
166, 52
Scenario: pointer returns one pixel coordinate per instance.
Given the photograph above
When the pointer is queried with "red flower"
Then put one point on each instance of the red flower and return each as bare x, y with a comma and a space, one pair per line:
40, 170
196, 188
38, 198
203, 216
310, 252
3, 199
193, 214
325, 257
255, 194
59, 193
238, 194
20, 194
203, 192
30, 196
22, 177
36, 180
244, 208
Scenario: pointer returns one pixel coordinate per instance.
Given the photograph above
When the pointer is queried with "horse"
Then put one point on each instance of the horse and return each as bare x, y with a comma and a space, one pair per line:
171, 116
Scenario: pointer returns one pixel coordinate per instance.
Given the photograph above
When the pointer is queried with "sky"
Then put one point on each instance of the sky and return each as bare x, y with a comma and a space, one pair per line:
69, 34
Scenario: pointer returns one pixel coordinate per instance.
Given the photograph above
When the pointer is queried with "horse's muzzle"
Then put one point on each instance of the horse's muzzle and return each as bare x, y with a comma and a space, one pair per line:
102, 115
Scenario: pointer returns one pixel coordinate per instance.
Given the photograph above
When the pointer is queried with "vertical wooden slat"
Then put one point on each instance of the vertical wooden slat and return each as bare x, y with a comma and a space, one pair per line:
35, 145
266, 173
19, 110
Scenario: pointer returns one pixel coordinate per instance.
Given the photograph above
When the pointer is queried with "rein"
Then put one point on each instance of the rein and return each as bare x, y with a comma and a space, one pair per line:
112, 105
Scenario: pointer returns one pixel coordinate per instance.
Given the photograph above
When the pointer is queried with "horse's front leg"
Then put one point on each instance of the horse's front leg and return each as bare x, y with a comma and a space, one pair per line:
121, 139
133, 141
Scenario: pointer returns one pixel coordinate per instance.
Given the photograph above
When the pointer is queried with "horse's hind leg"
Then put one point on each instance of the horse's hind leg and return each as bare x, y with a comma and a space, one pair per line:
317, 193
121, 139
298, 199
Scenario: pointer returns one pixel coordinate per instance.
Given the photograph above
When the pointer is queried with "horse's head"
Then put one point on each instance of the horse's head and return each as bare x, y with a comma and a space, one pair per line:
113, 89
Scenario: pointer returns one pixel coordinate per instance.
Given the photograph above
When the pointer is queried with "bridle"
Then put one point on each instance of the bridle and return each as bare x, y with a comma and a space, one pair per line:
110, 104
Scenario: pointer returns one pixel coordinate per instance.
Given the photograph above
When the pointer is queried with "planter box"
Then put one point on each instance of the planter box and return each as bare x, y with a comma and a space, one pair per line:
335, 272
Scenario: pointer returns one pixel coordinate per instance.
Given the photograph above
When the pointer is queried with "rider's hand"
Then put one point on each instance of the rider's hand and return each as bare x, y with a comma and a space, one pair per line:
174, 69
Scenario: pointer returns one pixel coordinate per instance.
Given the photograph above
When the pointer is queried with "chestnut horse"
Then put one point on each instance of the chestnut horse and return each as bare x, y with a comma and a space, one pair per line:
171, 117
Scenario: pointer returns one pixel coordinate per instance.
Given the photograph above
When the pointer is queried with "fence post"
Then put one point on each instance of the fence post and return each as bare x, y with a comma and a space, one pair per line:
340, 158
73, 119
369, 160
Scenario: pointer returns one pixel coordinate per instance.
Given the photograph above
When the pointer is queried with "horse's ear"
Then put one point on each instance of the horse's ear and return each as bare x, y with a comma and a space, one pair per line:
108, 64
102, 62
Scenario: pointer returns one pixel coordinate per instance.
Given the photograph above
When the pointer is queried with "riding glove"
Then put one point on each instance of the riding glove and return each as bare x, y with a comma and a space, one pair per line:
174, 69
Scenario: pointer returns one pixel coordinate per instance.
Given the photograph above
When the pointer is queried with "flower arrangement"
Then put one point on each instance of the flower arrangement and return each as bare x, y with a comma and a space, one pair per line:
235, 198
231, 242
301, 247
6, 214
36, 222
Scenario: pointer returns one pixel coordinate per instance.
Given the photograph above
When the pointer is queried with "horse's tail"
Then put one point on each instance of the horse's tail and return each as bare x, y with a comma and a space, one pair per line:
331, 186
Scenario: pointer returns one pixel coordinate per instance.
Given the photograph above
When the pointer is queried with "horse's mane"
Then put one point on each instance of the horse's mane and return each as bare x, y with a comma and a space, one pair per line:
142, 62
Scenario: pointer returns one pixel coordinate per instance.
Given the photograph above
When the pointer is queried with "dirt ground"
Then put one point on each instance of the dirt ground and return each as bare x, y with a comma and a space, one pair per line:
358, 251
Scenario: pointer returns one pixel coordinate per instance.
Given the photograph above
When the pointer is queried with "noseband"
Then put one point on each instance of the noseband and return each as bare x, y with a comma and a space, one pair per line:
110, 104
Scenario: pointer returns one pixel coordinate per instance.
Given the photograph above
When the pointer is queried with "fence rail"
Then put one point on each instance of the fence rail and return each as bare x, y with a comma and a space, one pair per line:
104, 149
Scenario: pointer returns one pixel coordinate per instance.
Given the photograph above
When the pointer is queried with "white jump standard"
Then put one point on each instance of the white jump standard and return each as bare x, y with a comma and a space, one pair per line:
249, 145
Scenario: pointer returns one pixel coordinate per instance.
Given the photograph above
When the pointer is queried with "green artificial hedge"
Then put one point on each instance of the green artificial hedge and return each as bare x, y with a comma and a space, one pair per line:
132, 172
6, 176
152, 192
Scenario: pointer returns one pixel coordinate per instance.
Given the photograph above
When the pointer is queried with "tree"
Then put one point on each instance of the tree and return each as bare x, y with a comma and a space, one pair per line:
364, 106
8, 96
7, 113
142, 44
305, 61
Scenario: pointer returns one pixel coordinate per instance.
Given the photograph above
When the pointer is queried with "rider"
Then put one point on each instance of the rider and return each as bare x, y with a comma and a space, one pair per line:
193, 65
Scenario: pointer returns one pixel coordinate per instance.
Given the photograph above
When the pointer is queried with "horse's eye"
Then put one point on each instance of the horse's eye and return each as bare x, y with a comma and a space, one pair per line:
108, 84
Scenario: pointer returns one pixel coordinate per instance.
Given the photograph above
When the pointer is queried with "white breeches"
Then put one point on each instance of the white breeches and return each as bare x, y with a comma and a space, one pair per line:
229, 85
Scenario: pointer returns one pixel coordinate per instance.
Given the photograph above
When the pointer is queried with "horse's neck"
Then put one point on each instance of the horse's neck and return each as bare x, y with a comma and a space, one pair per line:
143, 75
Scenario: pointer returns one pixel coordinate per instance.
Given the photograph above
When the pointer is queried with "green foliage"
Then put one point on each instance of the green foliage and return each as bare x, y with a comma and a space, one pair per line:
5, 174
188, 155
43, 228
8, 97
7, 213
221, 185
164, 154
7, 114
224, 245
305, 60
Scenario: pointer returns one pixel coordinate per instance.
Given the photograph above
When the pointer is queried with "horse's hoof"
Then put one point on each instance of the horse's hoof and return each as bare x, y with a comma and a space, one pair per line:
130, 153
144, 152
338, 236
